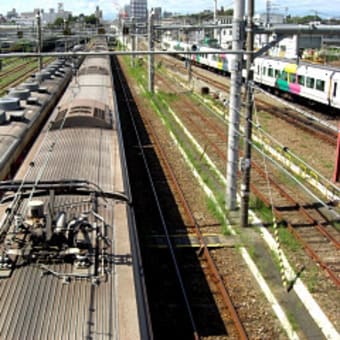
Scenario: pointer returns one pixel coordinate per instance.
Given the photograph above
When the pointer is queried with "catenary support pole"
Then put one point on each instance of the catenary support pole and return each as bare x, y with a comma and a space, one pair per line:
235, 106
337, 159
151, 56
133, 40
39, 44
246, 166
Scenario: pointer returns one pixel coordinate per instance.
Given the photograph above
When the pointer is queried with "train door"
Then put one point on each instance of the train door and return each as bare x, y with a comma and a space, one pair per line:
257, 70
335, 91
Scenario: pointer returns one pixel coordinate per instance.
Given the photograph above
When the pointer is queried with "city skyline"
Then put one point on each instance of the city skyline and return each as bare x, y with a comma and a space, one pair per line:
111, 7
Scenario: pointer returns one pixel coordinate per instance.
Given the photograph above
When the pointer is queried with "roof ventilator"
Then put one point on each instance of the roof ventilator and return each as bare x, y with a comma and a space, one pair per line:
9, 104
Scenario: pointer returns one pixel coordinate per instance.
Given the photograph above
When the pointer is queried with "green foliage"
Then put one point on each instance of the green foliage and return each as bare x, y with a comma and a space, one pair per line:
59, 22
303, 20
288, 239
91, 19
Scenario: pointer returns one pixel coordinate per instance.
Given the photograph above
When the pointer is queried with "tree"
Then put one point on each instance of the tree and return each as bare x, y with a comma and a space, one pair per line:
91, 19
59, 22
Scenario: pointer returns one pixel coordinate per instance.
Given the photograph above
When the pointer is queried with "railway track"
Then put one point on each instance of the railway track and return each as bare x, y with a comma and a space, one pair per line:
187, 268
23, 71
304, 217
289, 115
15, 69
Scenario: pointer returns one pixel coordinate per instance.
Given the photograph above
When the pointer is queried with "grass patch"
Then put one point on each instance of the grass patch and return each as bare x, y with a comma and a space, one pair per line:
292, 321
167, 96
288, 240
216, 212
261, 209
311, 279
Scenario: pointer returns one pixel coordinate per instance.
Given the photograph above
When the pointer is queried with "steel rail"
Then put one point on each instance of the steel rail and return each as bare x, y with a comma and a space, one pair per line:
317, 225
203, 246
160, 211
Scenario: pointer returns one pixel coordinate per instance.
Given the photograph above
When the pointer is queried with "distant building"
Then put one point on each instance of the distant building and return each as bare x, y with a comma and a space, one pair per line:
2, 19
224, 35
139, 10
99, 14
29, 18
126, 12
12, 14
157, 13
52, 15
167, 15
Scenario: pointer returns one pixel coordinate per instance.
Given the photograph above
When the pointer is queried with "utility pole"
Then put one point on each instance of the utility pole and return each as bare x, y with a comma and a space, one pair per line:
235, 106
151, 56
65, 32
246, 166
215, 15
39, 40
268, 10
133, 41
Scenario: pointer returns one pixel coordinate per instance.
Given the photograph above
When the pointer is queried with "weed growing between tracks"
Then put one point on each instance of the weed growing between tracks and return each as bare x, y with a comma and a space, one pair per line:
288, 239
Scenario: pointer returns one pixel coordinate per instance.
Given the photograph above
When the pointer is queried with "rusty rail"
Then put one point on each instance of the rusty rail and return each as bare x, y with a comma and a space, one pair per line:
281, 192
204, 249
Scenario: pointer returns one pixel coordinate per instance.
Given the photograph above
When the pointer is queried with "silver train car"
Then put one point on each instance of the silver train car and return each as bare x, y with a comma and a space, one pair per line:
24, 110
69, 258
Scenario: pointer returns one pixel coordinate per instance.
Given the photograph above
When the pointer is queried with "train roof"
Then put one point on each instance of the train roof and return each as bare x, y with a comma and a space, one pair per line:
84, 113
301, 63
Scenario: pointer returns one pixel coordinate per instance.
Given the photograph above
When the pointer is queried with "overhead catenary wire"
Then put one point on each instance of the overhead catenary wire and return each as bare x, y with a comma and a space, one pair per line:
280, 166
43, 167
275, 225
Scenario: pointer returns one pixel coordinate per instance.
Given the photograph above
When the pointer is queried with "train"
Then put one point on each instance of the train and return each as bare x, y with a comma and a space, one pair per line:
24, 110
314, 83
69, 256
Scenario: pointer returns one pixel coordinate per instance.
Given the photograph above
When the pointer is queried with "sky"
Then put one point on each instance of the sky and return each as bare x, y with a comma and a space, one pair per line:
110, 7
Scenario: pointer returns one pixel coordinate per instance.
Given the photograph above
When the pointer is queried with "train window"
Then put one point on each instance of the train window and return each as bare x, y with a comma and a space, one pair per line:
292, 77
334, 89
264, 70
98, 113
277, 73
284, 75
301, 80
320, 85
270, 72
75, 110
258, 69
310, 82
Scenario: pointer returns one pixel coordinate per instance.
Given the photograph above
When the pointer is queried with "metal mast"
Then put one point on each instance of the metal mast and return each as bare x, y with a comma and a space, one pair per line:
235, 106
133, 39
246, 166
151, 56
39, 40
